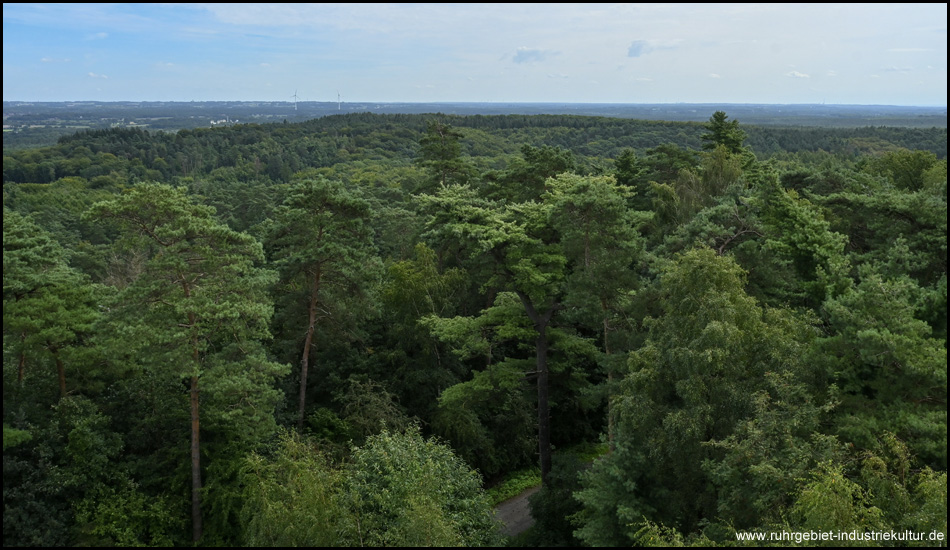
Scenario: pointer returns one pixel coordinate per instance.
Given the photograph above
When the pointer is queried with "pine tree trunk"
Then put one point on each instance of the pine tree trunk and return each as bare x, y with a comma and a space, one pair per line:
610, 384
21, 364
195, 463
307, 344
60, 371
544, 412
196, 528
541, 322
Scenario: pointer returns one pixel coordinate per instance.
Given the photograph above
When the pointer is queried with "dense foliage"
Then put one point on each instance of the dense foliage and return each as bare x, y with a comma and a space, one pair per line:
339, 332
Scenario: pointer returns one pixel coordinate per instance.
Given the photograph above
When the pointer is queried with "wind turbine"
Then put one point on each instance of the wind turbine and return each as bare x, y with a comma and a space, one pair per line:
339, 104
295, 99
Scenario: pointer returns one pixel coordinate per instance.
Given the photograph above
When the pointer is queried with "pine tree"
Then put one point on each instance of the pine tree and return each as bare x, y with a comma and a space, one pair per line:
198, 311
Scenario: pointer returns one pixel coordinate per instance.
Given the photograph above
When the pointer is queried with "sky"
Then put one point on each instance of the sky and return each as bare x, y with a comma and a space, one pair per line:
868, 53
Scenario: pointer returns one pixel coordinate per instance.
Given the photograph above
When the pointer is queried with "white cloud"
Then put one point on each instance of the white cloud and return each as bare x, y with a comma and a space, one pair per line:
94, 75
796, 74
714, 75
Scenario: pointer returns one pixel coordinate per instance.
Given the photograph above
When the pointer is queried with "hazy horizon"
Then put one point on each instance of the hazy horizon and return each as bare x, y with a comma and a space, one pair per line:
372, 102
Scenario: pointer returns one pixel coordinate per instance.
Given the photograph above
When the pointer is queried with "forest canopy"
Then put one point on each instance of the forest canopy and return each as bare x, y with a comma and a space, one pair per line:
342, 331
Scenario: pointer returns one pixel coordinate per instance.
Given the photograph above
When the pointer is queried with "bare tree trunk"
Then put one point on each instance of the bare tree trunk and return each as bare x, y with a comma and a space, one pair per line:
60, 369
21, 364
544, 410
610, 385
307, 344
541, 323
196, 528
195, 463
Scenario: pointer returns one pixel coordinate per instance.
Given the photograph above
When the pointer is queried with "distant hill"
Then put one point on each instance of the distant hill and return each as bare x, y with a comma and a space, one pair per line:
33, 124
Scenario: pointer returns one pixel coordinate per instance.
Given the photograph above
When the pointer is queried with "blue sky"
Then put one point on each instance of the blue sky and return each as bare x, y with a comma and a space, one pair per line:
894, 54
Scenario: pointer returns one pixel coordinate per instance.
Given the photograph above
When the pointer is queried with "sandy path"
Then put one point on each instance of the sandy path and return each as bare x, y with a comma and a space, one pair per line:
515, 513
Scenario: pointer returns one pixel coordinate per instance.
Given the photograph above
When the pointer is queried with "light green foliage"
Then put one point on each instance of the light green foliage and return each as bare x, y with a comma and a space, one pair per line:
408, 491
477, 337
666, 204
417, 287
935, 178
125, 516
13, 437
293, 498
463, 224
729, 226
904, 168
651, 534
832, 502
514, 484
415, 363
398, 490
531, 256
718, 171
695, 188
887, 493
930, 512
